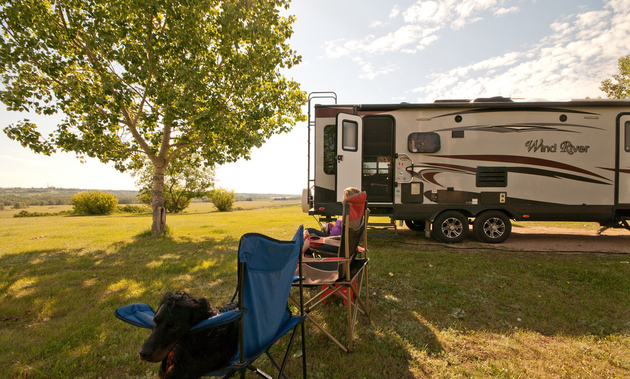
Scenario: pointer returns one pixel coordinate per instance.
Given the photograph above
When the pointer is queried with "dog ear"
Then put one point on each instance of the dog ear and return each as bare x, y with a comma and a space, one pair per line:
168, 298
203, 303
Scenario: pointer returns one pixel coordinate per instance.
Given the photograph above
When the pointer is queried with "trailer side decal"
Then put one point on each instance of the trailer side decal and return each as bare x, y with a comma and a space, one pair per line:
520, 128
428, 171
522, 160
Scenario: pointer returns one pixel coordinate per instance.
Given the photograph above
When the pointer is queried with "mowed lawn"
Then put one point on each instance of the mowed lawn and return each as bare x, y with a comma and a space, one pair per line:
437, 312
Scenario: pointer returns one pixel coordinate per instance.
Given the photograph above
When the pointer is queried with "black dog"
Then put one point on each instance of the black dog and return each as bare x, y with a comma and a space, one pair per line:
183, 354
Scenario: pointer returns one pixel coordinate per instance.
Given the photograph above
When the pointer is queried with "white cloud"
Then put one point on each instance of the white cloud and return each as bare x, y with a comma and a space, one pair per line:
571, 62
369, 72
425, 12
336, 48
394, 12
503, 11
422, 24
467, 10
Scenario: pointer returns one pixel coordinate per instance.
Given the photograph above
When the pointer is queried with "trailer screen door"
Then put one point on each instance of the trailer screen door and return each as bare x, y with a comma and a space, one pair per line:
623, 175
349, 152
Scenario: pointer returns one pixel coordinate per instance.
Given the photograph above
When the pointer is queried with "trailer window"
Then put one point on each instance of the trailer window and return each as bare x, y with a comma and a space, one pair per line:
627, 131
330, 150
373, 168
350, 135
428, 142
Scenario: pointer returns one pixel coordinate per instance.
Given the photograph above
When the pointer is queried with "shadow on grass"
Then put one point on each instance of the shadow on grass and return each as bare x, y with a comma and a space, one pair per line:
425, 298
579, 294
56, 318
388, 343
57, 315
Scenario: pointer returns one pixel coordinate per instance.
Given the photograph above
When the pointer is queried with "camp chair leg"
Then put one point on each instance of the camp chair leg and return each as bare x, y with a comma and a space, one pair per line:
257, 372
327, 333
367, 293
318, 298
350, 323
286, 356
320, 327
362, 307
303, 347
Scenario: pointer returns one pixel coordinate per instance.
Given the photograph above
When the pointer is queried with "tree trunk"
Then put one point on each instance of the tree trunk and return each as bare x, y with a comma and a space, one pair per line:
157, 202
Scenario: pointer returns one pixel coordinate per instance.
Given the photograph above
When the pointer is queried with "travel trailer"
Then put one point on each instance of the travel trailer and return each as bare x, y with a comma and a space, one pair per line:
492, 160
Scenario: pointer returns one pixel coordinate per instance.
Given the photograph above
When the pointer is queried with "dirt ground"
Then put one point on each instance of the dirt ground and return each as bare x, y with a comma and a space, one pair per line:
568, 240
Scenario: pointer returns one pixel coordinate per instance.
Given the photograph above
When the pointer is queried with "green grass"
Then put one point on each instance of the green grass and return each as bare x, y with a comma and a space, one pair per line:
437, 312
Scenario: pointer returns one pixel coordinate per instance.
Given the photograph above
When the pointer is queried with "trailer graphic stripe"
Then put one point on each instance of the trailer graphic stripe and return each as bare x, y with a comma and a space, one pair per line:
517, 109
522, 160
429, 173
554, 174
623, 171
520, 128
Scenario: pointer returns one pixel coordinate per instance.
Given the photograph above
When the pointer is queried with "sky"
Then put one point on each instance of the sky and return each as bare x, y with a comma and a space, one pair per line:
384, 51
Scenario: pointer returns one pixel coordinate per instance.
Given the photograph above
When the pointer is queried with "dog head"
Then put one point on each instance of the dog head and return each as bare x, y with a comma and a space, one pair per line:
176, 314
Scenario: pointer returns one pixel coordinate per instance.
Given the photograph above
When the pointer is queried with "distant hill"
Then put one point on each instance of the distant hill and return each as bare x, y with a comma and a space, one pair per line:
63, 196
56, 196
265, 196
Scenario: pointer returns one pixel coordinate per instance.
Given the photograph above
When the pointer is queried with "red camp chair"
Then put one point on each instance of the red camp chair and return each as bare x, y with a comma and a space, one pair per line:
341, 270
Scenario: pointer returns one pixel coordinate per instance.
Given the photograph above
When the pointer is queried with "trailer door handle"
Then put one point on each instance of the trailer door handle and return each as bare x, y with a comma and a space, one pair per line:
339, 158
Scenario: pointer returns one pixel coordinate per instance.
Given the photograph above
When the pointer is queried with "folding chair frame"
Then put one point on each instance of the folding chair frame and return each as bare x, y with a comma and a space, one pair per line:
141, 315
355, 271
242, 364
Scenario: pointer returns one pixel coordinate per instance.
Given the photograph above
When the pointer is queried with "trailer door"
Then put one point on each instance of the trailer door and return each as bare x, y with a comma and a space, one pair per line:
378, 155
349, 152
623, 175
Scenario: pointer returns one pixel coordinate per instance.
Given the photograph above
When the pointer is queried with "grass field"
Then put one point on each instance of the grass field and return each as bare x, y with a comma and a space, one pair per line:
437, 312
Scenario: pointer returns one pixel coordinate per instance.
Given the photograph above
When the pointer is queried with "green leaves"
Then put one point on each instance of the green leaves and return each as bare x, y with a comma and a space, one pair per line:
141, 79
26, 133
621, 88
184, 180
166, 77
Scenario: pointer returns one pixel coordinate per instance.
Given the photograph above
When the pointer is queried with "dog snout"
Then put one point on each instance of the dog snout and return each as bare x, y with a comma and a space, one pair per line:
149, 353
144, 354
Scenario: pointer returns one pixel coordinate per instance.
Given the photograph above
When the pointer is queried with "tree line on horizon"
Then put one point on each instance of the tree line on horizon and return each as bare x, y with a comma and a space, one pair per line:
55, 196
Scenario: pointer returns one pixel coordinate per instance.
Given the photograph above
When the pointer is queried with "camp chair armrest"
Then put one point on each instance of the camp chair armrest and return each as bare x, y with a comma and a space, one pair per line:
327, 259
137, 314
141, 315
220, 319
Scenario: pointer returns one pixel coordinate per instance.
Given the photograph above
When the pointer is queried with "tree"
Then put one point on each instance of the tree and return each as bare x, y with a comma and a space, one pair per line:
620, 89
183, 181
94, 203
158, 80
222, 198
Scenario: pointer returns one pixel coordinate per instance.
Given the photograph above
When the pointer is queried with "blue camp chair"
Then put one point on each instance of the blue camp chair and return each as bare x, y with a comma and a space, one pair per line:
266, 269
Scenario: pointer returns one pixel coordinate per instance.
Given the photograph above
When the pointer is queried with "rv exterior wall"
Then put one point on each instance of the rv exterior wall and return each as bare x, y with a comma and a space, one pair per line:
557, 161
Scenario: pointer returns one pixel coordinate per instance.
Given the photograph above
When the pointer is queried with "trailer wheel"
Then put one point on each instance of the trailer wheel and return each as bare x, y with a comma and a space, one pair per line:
416, 225
492, 227
450, 227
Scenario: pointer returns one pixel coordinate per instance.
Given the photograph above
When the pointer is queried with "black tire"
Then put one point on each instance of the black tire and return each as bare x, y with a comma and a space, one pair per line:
492, 227
416, 225
450, 227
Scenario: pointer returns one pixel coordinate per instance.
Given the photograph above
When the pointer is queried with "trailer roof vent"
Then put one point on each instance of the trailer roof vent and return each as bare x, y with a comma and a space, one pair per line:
451, 101
496, 99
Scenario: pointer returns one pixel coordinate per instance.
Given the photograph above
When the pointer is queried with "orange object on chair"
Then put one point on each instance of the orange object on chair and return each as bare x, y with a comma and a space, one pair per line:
343, 292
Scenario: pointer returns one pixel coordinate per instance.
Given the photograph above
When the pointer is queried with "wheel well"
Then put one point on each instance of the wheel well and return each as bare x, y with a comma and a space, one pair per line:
465, 212
504, 211
470, 214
